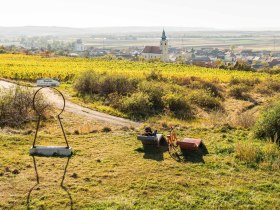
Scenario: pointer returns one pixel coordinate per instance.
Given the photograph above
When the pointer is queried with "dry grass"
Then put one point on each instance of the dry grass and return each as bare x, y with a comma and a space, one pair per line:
244, 120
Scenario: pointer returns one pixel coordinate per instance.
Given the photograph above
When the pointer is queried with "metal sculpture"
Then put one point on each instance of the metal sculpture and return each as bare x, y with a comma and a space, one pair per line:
49, 150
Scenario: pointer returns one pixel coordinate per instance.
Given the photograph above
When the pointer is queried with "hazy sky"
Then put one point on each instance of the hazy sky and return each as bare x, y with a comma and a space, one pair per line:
221, 14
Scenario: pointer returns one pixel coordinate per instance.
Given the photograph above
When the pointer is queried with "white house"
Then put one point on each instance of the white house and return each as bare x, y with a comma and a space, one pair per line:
161, 52
79, 46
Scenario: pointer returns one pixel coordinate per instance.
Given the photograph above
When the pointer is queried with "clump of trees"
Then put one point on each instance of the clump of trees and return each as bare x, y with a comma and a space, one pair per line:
239, 65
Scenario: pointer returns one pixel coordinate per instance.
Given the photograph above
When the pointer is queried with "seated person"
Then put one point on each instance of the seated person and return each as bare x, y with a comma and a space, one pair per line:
149, 132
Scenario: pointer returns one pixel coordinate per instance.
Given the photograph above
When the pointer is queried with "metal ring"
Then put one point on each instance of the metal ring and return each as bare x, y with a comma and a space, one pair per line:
34, 107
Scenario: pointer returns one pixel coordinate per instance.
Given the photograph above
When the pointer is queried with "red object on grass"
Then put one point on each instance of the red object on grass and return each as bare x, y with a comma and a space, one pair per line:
189, 144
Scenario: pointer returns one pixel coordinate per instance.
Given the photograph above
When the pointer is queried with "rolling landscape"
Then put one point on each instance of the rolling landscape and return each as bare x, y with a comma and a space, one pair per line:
110, 169
150, 105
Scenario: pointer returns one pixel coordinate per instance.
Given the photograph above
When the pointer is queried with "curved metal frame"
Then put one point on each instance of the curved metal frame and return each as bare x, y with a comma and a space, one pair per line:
40, 114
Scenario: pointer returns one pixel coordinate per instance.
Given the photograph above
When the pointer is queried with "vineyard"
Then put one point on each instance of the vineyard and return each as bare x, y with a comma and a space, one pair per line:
26, 67
111, 170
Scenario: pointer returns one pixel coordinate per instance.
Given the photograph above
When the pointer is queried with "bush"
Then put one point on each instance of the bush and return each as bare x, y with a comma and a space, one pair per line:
268, 125
155, 75
155, 91
104, 84
273, 85
116, 84
263, 89
178, 105
242, 66
106, 130
137, 105
204, 99
87, 83
197, 83
239, 91
247, 82
16, 106
211, 88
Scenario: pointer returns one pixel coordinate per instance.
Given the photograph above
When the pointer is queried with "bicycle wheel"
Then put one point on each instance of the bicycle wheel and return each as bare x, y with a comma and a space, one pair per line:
174, 152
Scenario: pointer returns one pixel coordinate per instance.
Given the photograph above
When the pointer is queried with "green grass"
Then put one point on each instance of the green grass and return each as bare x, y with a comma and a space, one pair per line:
111, 171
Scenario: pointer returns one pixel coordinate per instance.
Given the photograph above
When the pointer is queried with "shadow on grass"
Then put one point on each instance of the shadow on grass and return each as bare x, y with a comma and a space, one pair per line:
153, 151
38, 182
193, 156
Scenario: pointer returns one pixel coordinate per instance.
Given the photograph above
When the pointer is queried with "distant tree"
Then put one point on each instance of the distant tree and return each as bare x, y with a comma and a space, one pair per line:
232, 48
243, 66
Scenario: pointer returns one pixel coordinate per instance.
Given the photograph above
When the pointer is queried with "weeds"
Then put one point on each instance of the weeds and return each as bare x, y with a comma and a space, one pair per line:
247, 152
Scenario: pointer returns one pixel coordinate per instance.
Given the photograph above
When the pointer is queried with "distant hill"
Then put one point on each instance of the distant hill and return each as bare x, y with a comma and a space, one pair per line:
66, 31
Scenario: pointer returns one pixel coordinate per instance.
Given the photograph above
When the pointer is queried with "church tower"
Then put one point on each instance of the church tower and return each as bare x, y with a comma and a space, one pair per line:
164, 47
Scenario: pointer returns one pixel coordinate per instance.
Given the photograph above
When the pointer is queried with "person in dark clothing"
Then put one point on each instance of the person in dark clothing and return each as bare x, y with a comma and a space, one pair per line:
149, 132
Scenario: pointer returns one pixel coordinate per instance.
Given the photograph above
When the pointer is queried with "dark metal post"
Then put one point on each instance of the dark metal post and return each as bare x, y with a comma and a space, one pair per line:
37, 128
63, 130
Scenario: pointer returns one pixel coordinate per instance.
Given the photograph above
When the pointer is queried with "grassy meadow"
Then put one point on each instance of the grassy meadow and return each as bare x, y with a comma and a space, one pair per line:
110, 169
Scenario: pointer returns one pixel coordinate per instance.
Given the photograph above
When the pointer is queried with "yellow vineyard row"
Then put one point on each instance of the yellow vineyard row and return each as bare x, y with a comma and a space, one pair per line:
27, 67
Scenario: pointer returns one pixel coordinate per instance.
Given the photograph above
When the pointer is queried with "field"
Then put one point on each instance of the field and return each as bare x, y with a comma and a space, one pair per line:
110, 169
30, 68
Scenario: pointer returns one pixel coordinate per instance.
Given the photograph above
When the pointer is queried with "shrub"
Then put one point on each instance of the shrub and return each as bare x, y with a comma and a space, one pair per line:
155, 75
87, 82
106, 129
90, 82
155, 91
239, 91
137, 105
178, 105
262, 88
273, 85
116, 84
211, 88
268, 124
247, 82
204, 99
182, 80
197, 83
16, 106
242, 66
113, 100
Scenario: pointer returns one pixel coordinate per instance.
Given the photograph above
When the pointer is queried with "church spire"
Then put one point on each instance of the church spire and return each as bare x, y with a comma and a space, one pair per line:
163, 36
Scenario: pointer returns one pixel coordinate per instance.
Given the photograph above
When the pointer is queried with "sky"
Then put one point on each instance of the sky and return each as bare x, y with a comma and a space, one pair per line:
219, 14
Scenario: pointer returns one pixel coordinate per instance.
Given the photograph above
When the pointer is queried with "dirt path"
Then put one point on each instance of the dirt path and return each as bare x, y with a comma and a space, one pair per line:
77, 109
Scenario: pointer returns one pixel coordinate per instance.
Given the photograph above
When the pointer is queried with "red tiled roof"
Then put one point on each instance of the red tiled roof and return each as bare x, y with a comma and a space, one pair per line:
152, 49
